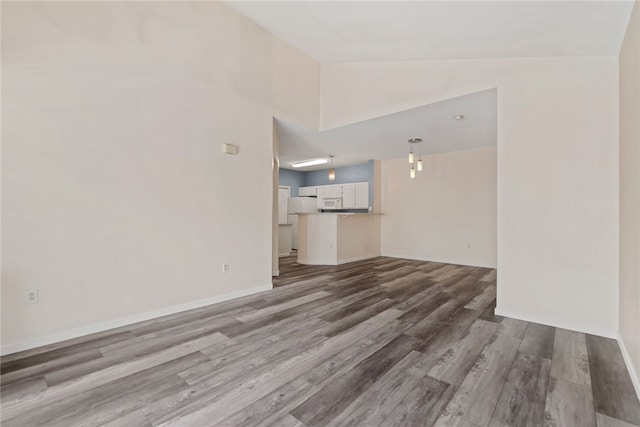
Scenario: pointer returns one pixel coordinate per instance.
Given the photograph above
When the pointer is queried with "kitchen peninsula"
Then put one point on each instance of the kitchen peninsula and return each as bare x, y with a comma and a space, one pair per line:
337, 237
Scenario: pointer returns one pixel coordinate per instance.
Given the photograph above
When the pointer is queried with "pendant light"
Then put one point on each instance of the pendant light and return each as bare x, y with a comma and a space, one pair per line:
332, 171
413, 165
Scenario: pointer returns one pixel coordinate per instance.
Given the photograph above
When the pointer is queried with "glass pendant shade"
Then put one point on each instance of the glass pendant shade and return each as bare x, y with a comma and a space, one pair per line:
332, 174
419, 165
411, 157
412, 172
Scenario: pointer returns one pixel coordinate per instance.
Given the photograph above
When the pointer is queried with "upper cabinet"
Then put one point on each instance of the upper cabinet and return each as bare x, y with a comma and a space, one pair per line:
354, 195
349, 196
362, 195
308, 191
325, 191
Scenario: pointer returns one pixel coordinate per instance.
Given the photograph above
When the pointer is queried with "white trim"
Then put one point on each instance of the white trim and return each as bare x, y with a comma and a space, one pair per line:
556, 323
334, 262
627, 361
276, 273
124, 321
444, 261
359, 258
316, 262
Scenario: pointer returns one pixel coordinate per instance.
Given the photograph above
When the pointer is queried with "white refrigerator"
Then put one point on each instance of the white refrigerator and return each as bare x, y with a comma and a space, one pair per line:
299, 205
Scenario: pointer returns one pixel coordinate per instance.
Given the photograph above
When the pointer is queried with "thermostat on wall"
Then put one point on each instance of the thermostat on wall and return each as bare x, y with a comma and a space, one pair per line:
229, 149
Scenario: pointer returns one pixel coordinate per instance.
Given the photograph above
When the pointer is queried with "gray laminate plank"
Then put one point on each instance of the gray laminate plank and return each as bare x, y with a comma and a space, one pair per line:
372, 406
606, 421
569, 404
104, 376
273, 407
422, 405
356, 318
570, 359
518, 392
213, 407
323, 406
460, 357
489, 314
287, 420
17, 390
538, 340
282, 306
513, 327
483, 299
538, 401
478, 394
489, 276
11, 363
45, 367
138, 347
336, 366
107, 402
613, 392
135, 418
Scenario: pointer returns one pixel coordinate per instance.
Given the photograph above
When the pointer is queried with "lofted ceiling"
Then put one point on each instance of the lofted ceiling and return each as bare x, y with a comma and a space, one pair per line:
385, 137
347, 31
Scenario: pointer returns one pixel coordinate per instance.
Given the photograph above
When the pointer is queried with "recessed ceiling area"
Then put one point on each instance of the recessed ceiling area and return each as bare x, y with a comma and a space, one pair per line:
385, 137
341, 31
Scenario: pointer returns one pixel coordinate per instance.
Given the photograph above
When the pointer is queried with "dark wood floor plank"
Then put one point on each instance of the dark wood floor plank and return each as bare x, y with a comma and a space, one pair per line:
458, 360
475, 400
323, 406
518, 393
569, 404
272, 407
613, 392
489, 314
538, 340
372, 406
422, 405
570, 360
109, 400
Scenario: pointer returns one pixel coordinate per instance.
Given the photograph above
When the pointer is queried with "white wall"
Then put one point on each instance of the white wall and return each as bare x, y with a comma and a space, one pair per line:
447, 213
630, 195
117, 200
557, 170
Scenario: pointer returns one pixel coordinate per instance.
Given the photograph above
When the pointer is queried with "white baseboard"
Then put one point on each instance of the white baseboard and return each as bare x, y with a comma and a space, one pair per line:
630, 368
556, 323
360, 258
444, 261
316, 262
334, 262
124, 321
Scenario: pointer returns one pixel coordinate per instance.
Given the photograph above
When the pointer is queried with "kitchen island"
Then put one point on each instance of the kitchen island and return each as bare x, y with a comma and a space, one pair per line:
337, 237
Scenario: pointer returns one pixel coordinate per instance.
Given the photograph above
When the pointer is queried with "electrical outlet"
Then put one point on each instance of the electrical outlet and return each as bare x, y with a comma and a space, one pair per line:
225, 267
32, 296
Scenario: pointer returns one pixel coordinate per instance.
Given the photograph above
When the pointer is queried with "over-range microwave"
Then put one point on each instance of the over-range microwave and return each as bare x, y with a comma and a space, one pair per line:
328, 203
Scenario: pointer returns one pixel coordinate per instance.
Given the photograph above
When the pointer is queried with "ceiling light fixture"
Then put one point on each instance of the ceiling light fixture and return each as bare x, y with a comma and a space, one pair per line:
332, 171
306, 163
458, 117
413, 165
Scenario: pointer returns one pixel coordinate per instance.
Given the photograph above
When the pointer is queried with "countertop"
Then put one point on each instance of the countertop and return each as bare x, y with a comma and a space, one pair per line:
341, 213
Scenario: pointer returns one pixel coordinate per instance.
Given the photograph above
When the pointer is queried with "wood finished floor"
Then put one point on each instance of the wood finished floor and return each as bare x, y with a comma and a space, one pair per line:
379, 342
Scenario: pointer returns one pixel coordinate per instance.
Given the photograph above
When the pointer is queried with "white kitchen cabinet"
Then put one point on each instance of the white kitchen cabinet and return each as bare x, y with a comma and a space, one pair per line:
349, 196
329, 191
308, 191
362, 195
